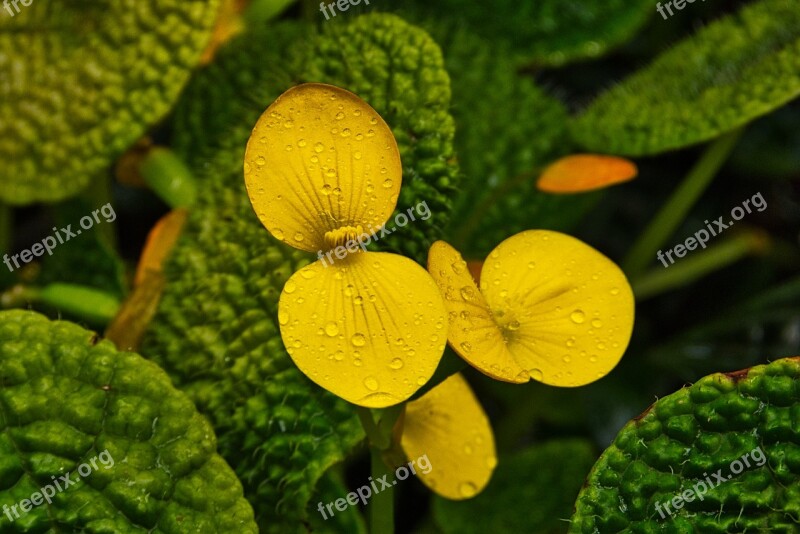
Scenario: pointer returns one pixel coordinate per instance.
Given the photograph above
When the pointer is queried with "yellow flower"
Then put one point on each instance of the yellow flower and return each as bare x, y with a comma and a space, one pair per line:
449, 427
549, 308
323, 173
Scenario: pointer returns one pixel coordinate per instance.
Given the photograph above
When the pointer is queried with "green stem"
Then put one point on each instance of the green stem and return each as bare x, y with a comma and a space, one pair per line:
91, 305
381, 505
677, 207
169, 178
699, 264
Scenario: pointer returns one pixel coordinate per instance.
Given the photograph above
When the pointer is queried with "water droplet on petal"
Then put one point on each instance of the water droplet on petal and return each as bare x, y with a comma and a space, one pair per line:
331, 329
421, 381
371, 383
577, 317
514, 325
283, 317
466, 346
468, 293
397, 363
536, 374
326, 190
597, 323
387, 183
301, 143
615, 291
358, 340
467, 489
566, 359
319, 147
339, 116
289, 287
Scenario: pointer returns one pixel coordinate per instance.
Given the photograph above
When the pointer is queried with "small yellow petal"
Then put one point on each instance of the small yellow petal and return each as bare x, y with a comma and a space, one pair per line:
321, 159
565, 309
448, 425
585, 172
473, 333
370, 328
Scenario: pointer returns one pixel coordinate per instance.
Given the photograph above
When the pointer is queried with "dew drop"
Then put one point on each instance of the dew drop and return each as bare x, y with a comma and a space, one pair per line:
289, 287
466, 346
491, 462
387, 183
397, 363
571, 342
371, 383
513, 325
531, 264
468, 293
357, 155
247, 168
298, 237
358, 340
331, 329
615, 291
338, 355
566, 359
577, 317
536, 374
467, 449
301, 143
597, 323
357, 362
467, 489
326, 190
319, 147
421, 381
358, 300
283, 317
339, 116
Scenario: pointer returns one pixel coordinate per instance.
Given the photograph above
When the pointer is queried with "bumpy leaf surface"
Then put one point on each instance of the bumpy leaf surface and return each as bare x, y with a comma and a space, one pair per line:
729, 73
64, 400
701, 434
83, 80
548, 32
216, 330
507, 128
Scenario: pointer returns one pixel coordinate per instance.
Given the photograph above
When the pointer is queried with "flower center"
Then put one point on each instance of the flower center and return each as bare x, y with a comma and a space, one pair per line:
341, 236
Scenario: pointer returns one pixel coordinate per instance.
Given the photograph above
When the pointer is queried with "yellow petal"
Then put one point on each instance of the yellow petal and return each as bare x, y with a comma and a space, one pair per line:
472, 333
565, 309
585, 172
370, 328
320, 159
449, 425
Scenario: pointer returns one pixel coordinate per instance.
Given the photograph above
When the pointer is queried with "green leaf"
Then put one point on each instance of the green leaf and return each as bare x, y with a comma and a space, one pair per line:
67, 400
506, 131
546, 33
531, 491
83, 81
216, 330
701, 434
731, 72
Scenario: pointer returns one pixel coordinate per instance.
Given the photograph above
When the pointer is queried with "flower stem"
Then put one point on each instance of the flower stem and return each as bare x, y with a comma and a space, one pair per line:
169, 177
698, 265
381, 504
674, 211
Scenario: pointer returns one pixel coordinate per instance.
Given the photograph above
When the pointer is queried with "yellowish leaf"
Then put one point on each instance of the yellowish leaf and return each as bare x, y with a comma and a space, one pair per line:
448, 425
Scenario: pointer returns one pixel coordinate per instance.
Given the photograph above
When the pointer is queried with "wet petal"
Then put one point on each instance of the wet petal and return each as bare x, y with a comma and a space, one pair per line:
449, 426
472, 333
585, 172
319, 159
567, 310
370, 328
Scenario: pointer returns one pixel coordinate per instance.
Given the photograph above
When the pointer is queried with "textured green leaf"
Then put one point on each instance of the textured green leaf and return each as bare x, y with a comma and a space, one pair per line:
688, 437
64, 399
83, 80
216, 329
506, 130
531, 491
544, 32
736, 69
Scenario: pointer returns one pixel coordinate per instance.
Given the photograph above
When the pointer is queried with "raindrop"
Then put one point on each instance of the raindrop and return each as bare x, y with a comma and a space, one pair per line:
467, 449
397, 363
571, 342
326, 190
615, 291
298, 236
289, 287
466, 346
531, 264
514, 325
536, 374
346, 132
387, 183
577, 317
338, 355
421, 381
357, 154
468, 293
566, 359
597, 323
467, 489
331, 329
371, 383
319, 147
283, 317
247, 168
358, 340
301, 143
288, 125
357, 362
339, 116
